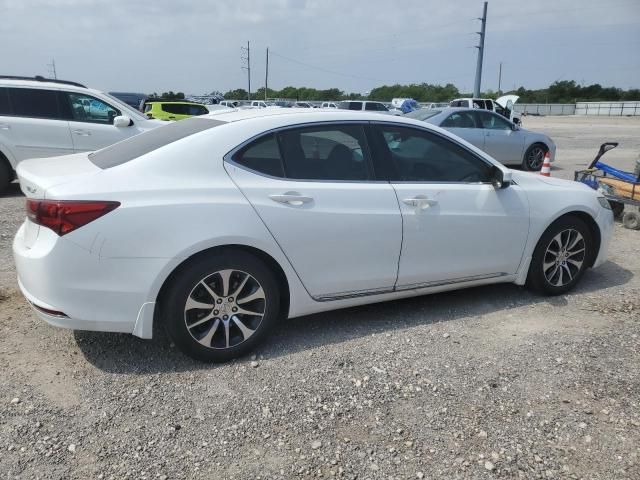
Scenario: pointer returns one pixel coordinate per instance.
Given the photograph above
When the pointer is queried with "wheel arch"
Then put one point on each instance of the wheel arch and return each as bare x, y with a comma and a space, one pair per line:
594, 229
272, 264
4, 159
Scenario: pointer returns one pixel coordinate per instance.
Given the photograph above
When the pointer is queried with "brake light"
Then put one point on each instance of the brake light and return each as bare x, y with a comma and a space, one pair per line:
64, 216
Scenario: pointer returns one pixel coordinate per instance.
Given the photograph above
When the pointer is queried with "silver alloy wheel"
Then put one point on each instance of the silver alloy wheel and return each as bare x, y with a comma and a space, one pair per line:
564, 257
535, 157
224, 309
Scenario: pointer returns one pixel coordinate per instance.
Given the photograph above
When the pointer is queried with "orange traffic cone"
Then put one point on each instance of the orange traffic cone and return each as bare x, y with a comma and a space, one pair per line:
546, 165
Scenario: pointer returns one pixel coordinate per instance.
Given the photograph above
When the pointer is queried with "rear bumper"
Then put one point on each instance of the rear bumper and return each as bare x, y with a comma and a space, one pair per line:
93, 292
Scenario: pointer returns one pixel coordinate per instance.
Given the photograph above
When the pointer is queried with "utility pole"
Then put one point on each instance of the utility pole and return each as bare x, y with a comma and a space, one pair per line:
247, 59
476, 88
499, 78
266, 76
52, 67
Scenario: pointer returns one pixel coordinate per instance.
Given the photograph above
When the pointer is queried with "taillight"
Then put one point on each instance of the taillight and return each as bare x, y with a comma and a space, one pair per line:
64, 216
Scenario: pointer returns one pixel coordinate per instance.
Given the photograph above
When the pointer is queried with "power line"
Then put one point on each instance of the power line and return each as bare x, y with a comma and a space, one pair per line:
321, 69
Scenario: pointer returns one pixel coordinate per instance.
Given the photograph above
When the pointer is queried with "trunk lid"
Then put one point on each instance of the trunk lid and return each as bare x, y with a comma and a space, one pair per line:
38, 175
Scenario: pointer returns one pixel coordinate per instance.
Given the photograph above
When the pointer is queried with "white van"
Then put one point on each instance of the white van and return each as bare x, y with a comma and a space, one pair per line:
41, 117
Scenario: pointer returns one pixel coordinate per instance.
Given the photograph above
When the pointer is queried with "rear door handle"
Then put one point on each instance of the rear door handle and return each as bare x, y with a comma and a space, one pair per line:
4, 126
82, 133
291, 198
420, 201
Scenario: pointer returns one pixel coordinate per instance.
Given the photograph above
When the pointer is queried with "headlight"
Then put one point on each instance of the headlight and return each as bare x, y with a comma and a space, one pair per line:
604, 203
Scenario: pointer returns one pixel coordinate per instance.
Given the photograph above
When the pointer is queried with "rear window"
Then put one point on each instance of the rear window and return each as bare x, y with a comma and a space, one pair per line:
423, 113
136, 146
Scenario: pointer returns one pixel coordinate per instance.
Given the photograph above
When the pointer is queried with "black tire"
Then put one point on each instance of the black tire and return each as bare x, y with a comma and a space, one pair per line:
631, 220
187, 284
538, 280
534, 157
6, 174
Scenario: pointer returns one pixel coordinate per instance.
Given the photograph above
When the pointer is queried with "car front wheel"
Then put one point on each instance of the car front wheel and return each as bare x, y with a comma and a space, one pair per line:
221, 306
534, 157
562, 255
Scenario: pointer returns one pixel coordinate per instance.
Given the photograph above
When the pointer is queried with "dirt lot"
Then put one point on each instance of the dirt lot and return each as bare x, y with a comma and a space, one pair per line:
493, 382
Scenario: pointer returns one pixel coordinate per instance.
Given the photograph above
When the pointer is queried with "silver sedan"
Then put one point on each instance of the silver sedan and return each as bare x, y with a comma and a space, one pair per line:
503, 140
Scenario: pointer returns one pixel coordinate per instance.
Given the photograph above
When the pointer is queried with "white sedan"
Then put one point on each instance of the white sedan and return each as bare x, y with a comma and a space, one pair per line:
218, 226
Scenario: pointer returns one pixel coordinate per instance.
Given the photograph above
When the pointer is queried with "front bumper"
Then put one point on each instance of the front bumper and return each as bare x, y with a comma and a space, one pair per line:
606, 224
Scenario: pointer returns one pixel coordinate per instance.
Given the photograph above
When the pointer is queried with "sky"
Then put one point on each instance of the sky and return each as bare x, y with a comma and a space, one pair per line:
354, 45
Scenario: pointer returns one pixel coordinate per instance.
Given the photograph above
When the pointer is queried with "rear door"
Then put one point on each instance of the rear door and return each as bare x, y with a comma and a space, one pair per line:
314, 189
91, 122
36, 125
501, 141
465, 125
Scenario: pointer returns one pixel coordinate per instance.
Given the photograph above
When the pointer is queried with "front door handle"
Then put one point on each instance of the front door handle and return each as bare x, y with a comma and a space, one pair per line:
291, 198
82, 133
420, 201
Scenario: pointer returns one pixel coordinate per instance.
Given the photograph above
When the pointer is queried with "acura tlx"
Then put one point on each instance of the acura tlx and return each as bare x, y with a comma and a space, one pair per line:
220, 225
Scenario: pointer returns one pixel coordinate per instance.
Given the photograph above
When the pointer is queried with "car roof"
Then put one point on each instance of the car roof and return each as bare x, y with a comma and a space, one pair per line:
295, 116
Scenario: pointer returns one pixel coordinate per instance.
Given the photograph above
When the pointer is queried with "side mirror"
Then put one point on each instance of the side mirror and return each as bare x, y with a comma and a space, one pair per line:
515, 127
122, 121
500, 179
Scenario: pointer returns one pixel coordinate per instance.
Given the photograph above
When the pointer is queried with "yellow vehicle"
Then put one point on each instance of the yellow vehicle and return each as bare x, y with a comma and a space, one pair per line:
173, 110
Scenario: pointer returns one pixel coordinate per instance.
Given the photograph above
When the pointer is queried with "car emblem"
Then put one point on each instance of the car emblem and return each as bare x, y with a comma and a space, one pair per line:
31, 189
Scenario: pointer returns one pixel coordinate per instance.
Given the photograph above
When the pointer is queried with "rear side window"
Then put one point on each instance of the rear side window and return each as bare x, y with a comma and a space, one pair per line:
4, 102
350, 105
175, 108
138, 145
459, 120
263, 156
33, 102
335, 152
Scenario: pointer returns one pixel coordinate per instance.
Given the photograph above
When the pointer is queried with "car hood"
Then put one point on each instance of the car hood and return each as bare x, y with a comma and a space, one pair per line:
505, 99
529, 178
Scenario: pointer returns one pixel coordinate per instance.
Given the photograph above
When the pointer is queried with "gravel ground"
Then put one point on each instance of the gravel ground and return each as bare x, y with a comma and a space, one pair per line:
492, 382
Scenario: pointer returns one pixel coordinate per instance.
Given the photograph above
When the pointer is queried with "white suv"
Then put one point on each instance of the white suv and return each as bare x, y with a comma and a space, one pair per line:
41, 117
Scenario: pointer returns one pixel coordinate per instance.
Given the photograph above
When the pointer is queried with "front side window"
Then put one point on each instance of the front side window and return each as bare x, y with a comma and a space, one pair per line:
459, 120
493, 121
33, 102
85, 108
196, 110
420, 156
263, 156
335, 152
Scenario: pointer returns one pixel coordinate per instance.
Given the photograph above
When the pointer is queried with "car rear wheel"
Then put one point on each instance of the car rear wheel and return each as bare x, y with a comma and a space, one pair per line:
534, 157
562, 255
5, 173
221, 306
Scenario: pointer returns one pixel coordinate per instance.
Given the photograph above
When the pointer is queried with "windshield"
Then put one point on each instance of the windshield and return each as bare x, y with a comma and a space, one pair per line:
423, 113
126, 109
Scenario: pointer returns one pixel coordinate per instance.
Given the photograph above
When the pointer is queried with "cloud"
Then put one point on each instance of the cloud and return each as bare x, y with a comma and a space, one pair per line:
194, 46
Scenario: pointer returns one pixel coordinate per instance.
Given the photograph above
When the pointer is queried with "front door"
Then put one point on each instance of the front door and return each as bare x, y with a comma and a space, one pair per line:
456, 225
92, 123
501, 141
314, 189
